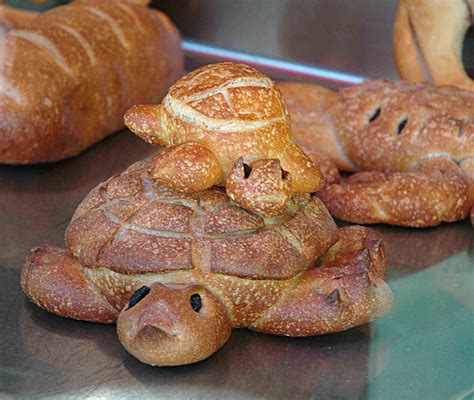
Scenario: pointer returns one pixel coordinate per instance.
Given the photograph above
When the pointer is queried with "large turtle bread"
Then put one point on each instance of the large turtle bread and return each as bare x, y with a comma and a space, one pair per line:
184, 269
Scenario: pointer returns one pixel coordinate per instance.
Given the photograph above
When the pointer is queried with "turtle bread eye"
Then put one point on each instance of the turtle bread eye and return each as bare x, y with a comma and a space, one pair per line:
247, 170
375, 114
195, 301
138, 295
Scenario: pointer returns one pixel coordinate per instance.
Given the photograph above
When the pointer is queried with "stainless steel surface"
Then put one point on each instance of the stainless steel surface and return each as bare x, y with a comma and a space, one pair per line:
352, 37
422, 350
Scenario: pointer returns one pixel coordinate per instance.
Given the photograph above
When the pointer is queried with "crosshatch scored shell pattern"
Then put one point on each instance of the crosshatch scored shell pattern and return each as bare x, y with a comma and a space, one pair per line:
131, 226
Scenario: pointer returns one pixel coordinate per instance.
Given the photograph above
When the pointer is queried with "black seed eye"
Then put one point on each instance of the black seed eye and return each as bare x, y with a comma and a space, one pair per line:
247, 171
375, 115
402, 125
138, 295
284, 174
195, 301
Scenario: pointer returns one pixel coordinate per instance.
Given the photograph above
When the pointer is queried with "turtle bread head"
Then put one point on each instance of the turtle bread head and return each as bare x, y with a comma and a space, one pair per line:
392, 126
173, 324
212, 101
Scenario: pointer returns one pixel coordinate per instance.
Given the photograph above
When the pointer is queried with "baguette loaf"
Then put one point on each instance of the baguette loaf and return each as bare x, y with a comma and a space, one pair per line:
68, 77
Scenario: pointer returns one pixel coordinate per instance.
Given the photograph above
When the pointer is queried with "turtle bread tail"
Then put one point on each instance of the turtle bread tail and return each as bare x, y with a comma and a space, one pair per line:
344, 291
53, 279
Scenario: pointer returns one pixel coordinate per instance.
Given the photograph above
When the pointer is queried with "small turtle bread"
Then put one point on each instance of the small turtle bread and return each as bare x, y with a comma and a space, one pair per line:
227, 124
413, 143
179, 271
428, 38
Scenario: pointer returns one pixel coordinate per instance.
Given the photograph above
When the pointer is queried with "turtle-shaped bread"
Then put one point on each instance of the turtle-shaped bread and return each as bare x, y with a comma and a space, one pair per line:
411, 146
183, 270
227, 124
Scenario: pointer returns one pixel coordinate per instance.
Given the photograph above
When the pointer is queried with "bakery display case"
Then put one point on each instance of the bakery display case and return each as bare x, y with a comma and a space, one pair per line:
422, 348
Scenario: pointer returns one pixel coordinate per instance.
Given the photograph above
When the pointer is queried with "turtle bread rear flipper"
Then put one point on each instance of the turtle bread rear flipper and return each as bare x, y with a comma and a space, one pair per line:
344, 291
54, 280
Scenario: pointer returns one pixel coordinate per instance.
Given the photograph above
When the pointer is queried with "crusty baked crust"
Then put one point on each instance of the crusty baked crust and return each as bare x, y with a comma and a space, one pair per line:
132, 225
435, 192
344, 289
233, 111
414, 142
68, 77
310, 107
415, 121
293, 275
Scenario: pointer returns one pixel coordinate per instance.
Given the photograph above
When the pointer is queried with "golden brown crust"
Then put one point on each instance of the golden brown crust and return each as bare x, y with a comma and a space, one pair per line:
391, 126
325, 164
428, 37
163, 329
261, 186
279, 251
345, 290
54, 280
384, 126
187, 167
145, 121
76, 95
132, 225
434, 192
234, 111
310, 107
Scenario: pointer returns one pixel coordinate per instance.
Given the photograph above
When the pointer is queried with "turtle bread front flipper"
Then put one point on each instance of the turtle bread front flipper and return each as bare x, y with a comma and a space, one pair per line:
188, 168
436, 191
345, 290
55, 280
173, 324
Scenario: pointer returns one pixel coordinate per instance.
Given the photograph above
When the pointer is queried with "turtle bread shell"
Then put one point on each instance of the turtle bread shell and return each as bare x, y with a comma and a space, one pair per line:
132, 225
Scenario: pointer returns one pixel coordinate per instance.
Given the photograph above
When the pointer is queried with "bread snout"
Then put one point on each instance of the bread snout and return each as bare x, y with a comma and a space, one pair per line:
173, 324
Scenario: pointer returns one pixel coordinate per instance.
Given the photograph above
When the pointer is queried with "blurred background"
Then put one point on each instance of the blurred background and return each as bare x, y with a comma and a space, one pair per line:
337, 42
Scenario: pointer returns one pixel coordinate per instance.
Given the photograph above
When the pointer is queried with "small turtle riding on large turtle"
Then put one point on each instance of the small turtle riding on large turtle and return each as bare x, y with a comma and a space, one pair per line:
178, 270
205, 265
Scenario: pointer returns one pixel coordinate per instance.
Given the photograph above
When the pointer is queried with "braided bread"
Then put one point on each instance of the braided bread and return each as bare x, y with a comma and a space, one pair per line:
416, 142
428, 38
